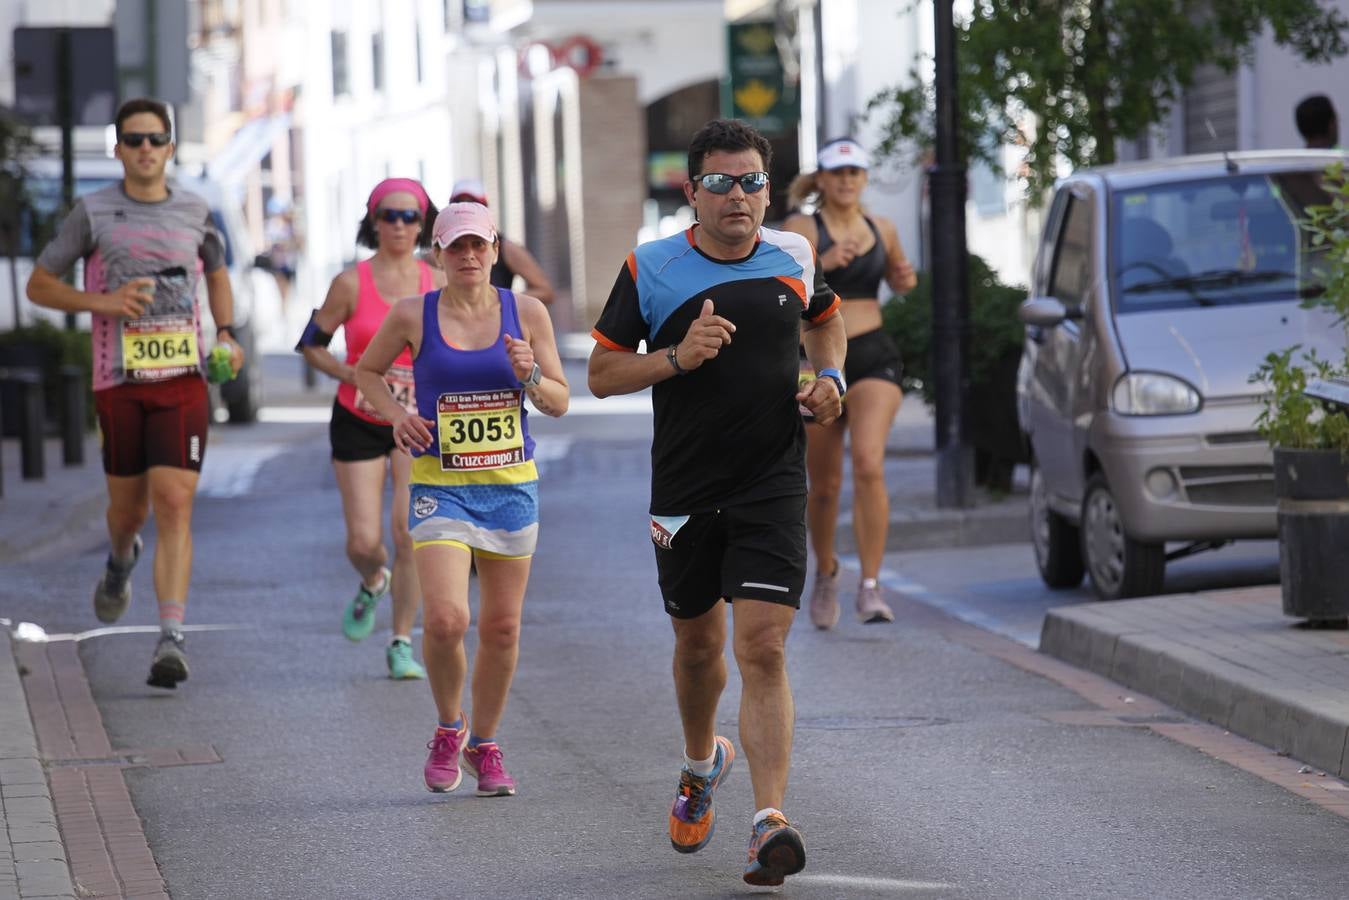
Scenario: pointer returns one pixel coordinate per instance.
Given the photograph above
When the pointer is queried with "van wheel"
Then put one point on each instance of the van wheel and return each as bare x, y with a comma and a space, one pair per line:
1118, 565
1058, 546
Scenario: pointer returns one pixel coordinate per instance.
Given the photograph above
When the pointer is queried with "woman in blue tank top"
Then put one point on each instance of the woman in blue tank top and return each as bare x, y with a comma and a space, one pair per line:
857, 252
477, 351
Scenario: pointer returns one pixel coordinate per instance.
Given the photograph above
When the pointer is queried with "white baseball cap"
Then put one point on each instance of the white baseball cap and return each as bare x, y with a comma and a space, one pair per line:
471, 188
843, 152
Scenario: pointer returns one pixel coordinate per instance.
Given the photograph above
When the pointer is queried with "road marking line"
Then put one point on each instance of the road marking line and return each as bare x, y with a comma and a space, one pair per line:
27, 632
874, 884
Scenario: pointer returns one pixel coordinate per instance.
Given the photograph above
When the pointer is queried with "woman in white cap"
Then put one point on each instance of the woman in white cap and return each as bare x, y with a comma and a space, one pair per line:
857, 252
513, 259
477, 350
396, 225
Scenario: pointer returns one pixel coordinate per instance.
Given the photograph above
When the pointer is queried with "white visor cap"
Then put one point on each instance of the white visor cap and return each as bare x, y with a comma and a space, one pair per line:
841, 153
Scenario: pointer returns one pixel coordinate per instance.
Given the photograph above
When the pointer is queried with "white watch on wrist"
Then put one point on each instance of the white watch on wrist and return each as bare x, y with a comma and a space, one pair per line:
535, 377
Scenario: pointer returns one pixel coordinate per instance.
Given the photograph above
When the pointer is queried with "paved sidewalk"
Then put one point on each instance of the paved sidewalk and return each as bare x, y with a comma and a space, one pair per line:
33, 861
1228, 657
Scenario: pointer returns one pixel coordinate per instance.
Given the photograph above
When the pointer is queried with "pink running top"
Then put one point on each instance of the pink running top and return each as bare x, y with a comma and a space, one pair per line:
360, 328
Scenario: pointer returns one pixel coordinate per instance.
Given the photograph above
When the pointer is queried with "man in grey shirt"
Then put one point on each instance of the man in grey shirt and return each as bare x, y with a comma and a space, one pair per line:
144, 247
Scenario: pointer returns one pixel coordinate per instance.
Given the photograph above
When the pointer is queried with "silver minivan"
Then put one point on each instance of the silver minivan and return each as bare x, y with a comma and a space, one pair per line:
1158, 289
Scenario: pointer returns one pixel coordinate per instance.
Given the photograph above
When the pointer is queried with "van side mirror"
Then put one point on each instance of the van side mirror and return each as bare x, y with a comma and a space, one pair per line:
1046, 312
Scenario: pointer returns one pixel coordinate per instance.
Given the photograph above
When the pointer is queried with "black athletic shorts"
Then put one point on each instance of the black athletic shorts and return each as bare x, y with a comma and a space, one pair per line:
873, 354
756, 551
354, 439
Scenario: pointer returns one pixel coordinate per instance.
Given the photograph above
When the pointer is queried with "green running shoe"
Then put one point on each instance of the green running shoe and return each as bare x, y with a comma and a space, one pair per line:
359, 619
402, 666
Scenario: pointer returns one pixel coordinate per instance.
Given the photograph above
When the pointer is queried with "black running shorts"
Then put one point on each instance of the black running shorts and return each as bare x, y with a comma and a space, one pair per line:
873, 354
756, 551
354, 439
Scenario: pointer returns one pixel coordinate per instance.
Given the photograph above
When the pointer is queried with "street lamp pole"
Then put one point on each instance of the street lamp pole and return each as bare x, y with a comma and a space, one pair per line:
950, 280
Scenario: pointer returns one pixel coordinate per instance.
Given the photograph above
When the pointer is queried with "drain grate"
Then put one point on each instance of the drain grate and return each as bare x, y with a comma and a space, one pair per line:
864, 723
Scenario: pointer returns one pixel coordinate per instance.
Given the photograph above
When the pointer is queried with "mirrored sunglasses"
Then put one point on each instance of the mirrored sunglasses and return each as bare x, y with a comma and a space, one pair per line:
721, 183
406, 216
134, 139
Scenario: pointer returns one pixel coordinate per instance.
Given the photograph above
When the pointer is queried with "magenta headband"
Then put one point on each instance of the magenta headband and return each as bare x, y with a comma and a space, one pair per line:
393, 186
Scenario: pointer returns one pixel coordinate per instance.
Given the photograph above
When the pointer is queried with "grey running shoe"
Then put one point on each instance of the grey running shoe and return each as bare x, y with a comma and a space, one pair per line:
112, 594
170, 662
824, 599
871, 607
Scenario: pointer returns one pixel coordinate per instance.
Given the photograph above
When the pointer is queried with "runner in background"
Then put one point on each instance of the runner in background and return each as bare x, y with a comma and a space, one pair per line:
513, 259
857, 252
144, 246
395, 227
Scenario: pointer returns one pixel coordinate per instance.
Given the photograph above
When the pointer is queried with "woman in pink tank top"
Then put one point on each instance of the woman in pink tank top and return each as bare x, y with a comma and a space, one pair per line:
396, 226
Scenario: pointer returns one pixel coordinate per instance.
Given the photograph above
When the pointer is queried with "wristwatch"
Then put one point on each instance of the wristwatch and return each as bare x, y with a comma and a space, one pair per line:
535, 377
838, 379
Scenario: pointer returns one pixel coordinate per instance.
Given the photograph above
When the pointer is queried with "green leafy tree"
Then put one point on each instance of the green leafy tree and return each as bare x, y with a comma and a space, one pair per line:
1090, 71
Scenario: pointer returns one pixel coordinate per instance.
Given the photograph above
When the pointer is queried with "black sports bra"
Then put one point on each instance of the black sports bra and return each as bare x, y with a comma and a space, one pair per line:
861, 278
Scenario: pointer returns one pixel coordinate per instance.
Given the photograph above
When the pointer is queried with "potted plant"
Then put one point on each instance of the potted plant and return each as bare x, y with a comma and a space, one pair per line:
1310, 440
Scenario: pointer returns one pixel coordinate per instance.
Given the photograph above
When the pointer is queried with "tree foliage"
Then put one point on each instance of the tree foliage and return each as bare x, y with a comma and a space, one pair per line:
1090, 71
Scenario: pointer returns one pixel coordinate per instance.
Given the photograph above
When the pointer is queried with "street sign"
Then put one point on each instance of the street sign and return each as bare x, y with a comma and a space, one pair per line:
757, 89
152, 52
37, 76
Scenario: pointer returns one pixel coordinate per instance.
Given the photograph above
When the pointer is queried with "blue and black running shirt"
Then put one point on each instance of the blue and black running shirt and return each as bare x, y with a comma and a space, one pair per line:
730, 431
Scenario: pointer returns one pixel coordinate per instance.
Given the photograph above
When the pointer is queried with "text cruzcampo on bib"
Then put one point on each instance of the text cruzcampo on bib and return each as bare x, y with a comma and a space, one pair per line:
480, 430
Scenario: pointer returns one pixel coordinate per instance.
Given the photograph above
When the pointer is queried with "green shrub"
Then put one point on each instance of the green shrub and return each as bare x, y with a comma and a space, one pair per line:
995, 331
58, 348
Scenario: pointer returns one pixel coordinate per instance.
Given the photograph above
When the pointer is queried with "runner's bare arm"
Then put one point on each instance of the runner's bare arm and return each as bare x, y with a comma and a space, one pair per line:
47, 289
523, 263
220, 296
337, 307
402, 327
623, 372
552, 395
826, 345
899, 273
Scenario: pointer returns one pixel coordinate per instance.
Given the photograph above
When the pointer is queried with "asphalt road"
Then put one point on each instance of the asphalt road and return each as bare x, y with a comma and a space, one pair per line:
922, 767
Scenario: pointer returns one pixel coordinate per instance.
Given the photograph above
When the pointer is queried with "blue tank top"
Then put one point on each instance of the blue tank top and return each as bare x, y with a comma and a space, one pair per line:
475, 391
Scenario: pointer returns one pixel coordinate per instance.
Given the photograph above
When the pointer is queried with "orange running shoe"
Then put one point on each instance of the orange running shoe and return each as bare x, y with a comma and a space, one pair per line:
692, 817
775, 851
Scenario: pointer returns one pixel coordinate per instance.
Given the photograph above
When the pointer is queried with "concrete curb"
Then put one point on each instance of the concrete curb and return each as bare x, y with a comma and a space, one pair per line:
1309, 725
33, 858
1003, 522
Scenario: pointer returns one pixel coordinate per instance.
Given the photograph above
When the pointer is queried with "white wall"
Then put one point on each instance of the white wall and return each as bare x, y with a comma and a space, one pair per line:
352, 141
666, 44
1280, 81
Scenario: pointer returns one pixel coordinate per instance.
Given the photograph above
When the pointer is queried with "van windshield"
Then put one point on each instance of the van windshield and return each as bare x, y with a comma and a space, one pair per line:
1214, 242
40, 216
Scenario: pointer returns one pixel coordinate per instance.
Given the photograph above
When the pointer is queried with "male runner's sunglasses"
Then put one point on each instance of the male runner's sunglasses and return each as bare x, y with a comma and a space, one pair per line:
406, 216
720, 183
134, 139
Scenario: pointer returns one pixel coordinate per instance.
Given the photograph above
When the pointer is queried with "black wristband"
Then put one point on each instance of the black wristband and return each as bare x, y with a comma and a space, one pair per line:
225, 329
673, 357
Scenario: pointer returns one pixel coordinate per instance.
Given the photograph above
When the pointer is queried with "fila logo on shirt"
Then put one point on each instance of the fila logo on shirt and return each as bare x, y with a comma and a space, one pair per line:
782, 299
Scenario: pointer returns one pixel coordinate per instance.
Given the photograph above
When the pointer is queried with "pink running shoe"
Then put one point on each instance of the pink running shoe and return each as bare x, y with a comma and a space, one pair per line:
485, 764
442, 764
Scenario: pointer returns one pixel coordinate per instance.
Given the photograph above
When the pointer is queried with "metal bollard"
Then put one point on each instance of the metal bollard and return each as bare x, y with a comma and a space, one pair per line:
72, 415
31, 423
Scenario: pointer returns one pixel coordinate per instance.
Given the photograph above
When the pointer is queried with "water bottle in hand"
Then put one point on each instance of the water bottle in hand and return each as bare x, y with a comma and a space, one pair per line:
218, 366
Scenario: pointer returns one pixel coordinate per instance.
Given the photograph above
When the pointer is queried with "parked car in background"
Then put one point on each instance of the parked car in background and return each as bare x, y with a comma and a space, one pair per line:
1158, 289
242, 397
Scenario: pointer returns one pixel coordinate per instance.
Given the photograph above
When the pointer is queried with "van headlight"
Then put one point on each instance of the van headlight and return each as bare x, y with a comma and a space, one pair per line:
1153, 394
